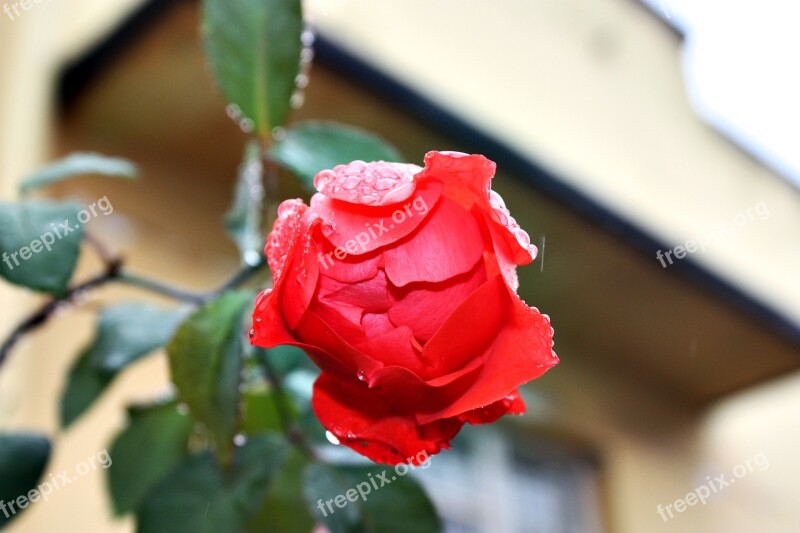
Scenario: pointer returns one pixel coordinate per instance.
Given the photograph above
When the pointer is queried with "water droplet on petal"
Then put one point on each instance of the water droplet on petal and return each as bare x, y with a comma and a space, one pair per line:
332, 438
362, 376
252, 333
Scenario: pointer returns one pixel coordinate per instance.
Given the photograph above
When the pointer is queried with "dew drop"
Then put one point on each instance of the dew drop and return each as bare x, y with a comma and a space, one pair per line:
307, 37
328, 229
362, 376
246, 125
239, 440
301, 81
252, 333
297, 100
252, 258
279, 133
234, 111
332, 438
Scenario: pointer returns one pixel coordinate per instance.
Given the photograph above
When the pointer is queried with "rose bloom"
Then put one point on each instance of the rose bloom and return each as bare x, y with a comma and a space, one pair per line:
400, 283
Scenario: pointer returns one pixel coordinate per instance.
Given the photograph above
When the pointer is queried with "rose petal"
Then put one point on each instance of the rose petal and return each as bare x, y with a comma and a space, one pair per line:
424, 307
513, 404
370, 295
286, 230
448, 244
299, 278
470, 330
363, 419
369, 228
523, 351
395, 347
376, 183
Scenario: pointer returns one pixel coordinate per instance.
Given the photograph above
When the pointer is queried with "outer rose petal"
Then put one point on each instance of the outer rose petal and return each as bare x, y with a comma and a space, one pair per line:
370, 228
362, 419
286, 230
467, 179
513, 404
523, 351
378, 183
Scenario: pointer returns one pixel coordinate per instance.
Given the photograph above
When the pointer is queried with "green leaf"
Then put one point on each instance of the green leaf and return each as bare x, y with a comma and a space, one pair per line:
160, 430
205, 358
260, 413
400, 506
79, 164
244, 220
127, 332
23, 458
310, 147
85, 384
284, 510
254, 48
198, 497
39, 241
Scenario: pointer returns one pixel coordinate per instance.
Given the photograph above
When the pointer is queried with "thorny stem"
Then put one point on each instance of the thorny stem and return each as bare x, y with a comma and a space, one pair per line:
114, 273
293, 432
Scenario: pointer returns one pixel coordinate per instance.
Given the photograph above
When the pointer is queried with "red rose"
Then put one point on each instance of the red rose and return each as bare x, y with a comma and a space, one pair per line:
400, 283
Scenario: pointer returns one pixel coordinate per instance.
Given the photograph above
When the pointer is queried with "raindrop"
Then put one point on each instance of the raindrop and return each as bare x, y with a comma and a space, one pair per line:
362, 375
332, 438
301, 81
297, 101
234, 111
279, 133
252, 258
246, 125
252, 333
307, 37
328, 229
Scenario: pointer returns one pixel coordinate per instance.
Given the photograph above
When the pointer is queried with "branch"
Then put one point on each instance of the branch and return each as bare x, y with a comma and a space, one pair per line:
114, 273
41, 316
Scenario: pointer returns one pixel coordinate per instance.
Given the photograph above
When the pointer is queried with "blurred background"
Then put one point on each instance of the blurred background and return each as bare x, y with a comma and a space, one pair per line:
622, 130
